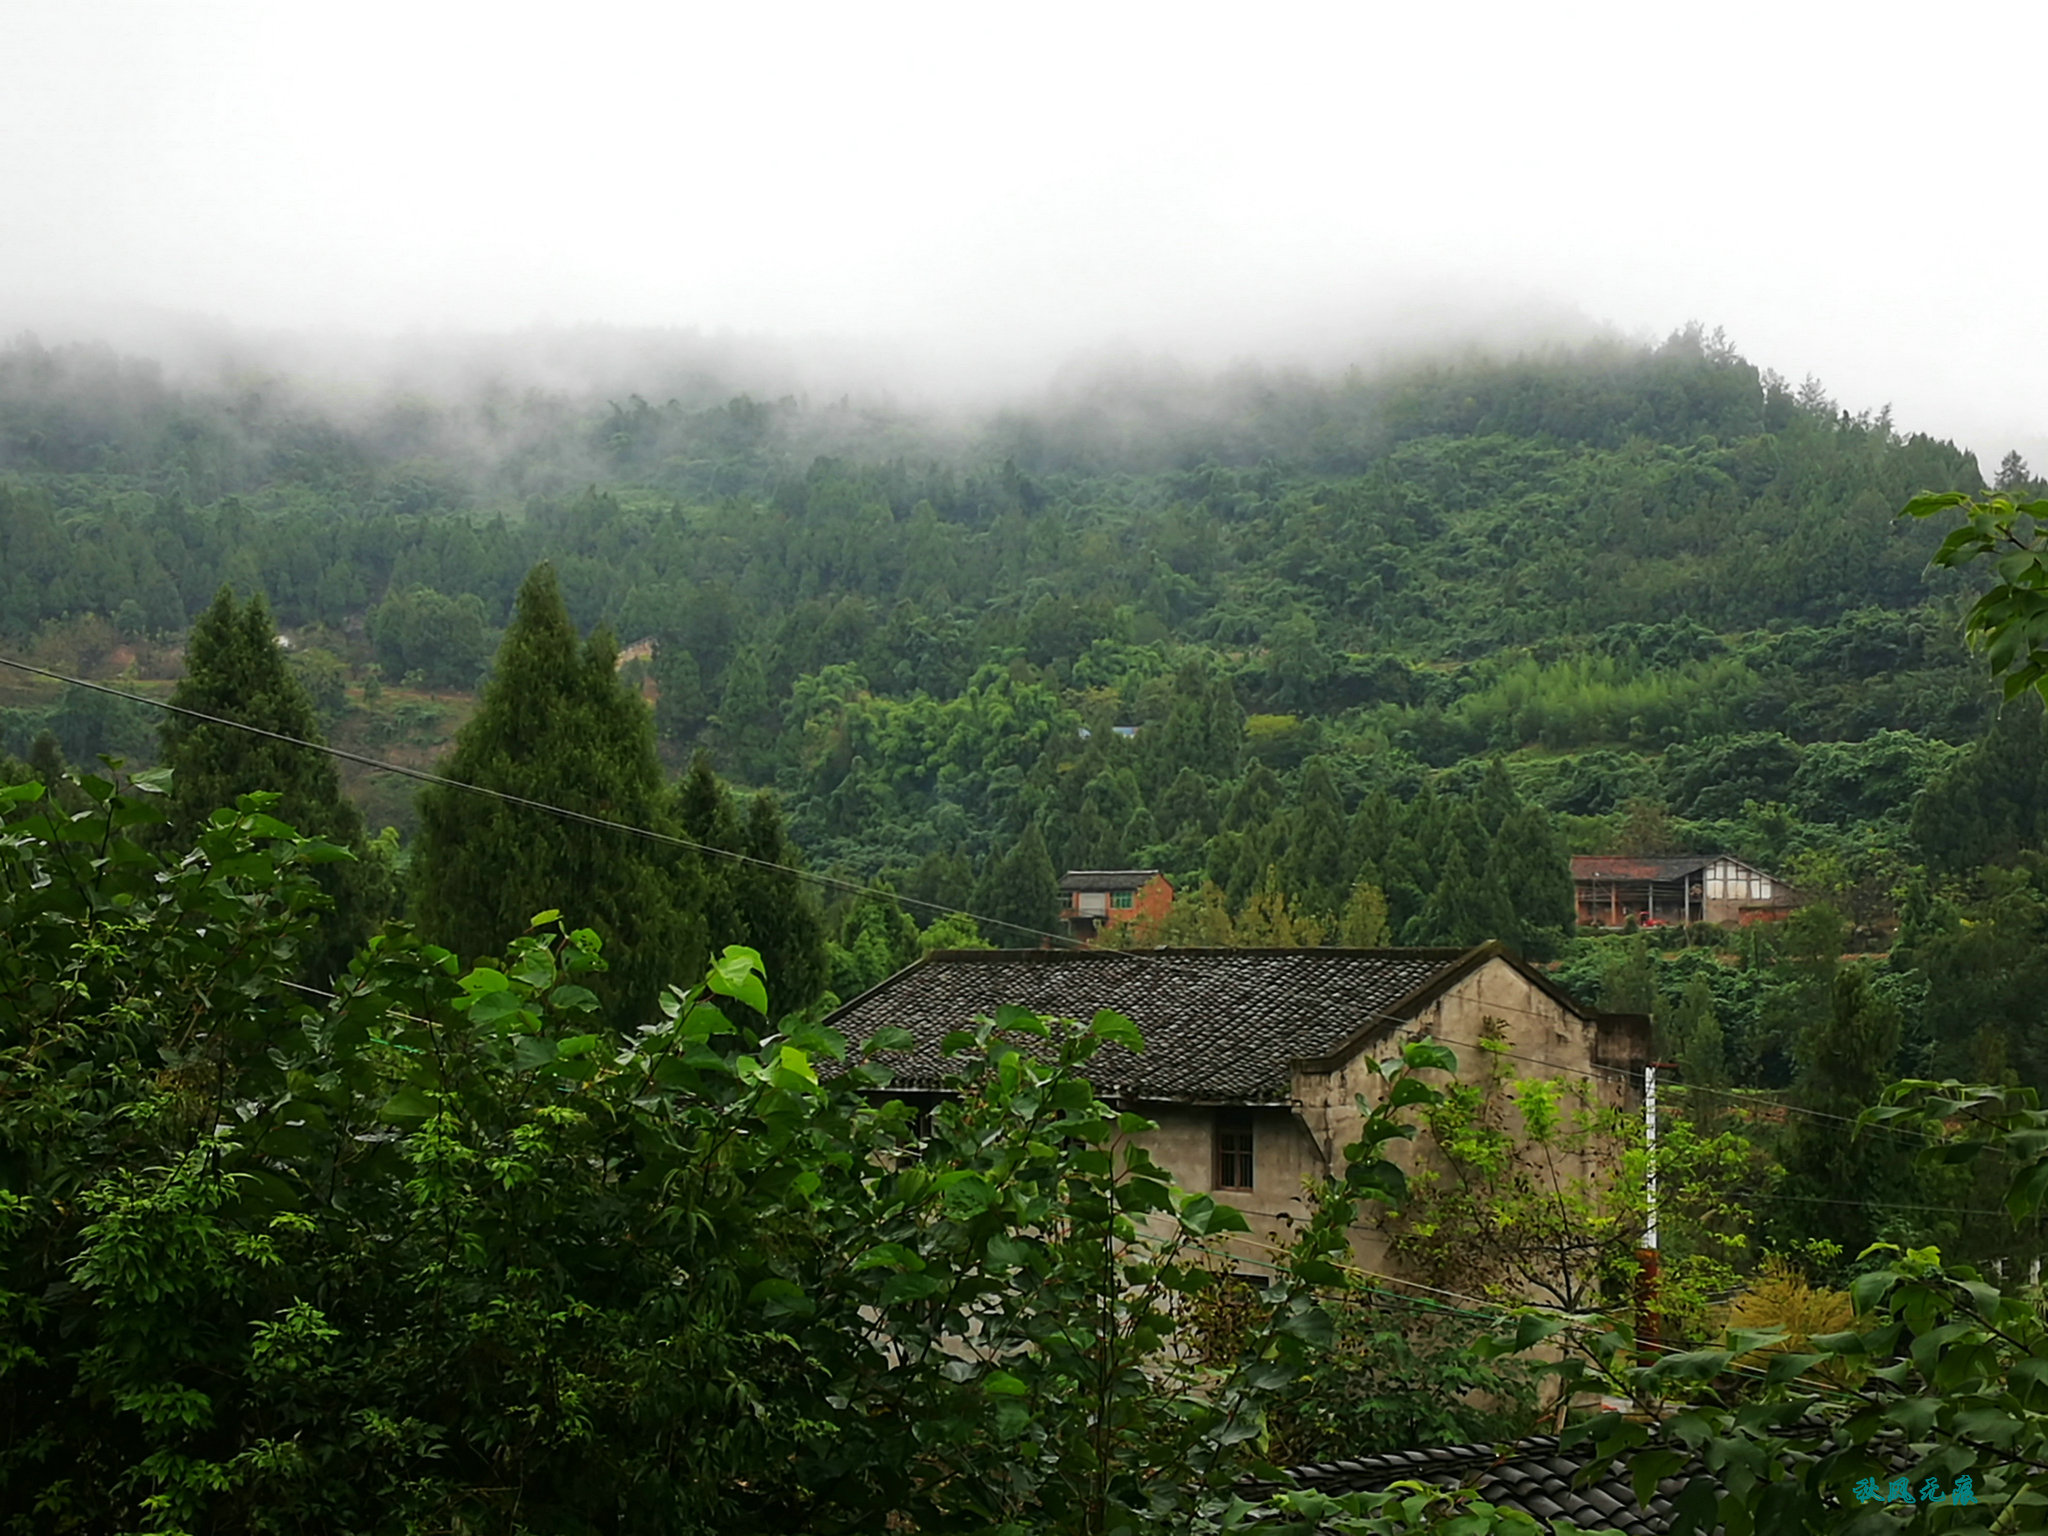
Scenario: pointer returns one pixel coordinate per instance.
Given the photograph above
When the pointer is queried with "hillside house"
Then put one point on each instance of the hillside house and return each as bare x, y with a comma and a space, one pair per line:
1684, 888
1252, 1067
1093, 901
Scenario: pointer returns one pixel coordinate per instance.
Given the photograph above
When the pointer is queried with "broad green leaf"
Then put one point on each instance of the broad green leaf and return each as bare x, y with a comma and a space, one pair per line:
1014, 1020
409, 1103
909, 1287
736, 974
1115, 1029
1786, 1366
967, 1194
496, 1007
1930, 502
1427, 1055
886, 1255
531, 1051
780, 1298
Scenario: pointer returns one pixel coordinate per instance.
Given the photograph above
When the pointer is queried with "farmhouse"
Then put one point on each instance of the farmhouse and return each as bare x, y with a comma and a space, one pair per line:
1254, 1057
1092, 901
1685, 888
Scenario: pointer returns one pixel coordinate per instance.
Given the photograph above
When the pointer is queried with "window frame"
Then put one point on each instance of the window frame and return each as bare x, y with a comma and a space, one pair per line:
1234, 1150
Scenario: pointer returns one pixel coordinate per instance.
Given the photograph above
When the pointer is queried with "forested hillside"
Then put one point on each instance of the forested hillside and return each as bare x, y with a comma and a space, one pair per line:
1616, 552
1384, 648
1355, 660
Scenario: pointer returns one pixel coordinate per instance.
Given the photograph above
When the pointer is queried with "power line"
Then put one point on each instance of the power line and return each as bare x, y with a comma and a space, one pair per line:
1066, 941
425, 777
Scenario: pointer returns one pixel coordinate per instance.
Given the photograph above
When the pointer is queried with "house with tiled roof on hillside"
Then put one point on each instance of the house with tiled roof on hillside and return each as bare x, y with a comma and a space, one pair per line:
1093, 901
1613, 889
1254, 1058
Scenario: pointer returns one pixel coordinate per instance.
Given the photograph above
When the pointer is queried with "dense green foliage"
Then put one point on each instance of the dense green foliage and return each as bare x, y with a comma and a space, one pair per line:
1355, 659
234, 671
457, 1251
555, 727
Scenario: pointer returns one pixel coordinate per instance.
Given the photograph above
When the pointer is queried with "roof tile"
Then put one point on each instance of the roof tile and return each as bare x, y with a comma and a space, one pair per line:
1220, 1025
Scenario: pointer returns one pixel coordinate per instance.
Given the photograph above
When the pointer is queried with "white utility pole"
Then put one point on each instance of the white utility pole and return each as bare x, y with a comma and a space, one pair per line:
1650, 1138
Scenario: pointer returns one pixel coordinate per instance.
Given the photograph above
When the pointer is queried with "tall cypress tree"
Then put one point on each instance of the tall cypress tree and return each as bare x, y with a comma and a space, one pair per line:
1845, 1061
770, 910
556, 725
1316, 872
1535, 875
234, 669
1019, 894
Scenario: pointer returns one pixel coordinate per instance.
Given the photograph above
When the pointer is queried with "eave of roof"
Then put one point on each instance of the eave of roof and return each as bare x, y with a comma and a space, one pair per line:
1294, 1009
1535, 1476
1108, 879
1603, 866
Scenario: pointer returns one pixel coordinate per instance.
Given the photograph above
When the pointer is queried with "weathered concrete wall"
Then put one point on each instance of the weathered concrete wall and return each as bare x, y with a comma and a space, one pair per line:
1296, 1144
1495, 1001
1284, 1159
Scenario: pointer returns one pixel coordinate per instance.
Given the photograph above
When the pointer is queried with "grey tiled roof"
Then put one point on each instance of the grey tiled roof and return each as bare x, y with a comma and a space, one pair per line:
1220, 1025
1622, 866
1532, 1475
1107, 879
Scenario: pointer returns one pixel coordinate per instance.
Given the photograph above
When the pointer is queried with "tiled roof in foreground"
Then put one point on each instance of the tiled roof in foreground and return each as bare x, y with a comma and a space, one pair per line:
1220, 1025
1532, 1475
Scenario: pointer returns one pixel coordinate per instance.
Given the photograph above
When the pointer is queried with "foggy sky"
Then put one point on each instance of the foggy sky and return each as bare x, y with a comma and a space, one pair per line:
979, 191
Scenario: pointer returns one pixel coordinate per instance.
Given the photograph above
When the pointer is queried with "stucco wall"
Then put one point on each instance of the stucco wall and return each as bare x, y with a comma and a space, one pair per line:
1307, 1141
1284, 1159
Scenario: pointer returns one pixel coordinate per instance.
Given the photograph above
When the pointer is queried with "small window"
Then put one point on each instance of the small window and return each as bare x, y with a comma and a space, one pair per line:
1233, 1149
1121, 900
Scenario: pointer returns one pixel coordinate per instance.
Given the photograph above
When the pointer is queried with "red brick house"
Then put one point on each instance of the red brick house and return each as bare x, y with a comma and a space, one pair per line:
1093, 901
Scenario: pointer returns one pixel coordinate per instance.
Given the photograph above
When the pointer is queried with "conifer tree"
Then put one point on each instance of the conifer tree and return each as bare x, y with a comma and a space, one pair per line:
1692, 1036
556, 725
47, 767
1845, 1061
1018, 895
235, 670
746, 901
1315, 870
1186, 812
679, 711
1495, 799
942, 878
1370, 833
1992, 803
1270, 921
876, 940
1465, 908
1534, 875
1364, 923
746, 719
1258, 796
778, 911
